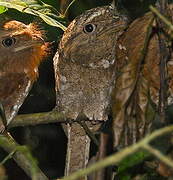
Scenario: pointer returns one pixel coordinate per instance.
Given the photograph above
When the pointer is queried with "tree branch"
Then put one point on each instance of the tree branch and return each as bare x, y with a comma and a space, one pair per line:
117, 157
158, 154
164, 19
38, 118
22, 156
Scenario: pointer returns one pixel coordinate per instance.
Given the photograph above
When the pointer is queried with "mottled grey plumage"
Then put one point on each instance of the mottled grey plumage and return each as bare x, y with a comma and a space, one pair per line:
85, 73
84, 64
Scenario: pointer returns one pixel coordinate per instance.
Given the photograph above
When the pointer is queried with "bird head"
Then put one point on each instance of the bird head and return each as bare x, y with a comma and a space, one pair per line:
22, 48
91, 37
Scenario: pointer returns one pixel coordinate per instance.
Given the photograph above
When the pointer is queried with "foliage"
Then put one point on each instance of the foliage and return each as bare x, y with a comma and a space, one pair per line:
46, 12
50, 15
132, 160
2, 9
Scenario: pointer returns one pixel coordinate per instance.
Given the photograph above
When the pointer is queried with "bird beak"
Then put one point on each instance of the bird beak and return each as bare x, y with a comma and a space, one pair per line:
32, 43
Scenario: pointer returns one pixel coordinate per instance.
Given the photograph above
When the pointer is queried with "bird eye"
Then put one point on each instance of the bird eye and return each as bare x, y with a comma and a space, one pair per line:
8, 41
89, 28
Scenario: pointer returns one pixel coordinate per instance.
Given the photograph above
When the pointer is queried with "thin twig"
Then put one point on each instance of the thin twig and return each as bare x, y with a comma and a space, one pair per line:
9, 156
104, 137
164, 19
2, 114
116, 158
164, 56
158, 154
22, 156
65, 13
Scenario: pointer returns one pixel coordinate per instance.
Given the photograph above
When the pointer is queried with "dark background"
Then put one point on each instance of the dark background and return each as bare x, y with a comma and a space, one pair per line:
48, 142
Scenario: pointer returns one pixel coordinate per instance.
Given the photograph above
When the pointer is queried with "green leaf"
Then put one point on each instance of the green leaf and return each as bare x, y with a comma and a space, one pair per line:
126, 177
132, 160
37, 8
3, 9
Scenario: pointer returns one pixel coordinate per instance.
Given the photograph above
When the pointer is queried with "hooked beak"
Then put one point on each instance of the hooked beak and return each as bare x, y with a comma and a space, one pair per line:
30, 44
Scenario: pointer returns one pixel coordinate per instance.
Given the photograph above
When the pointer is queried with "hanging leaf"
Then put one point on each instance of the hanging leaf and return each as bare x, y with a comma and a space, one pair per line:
131, 96
37, 8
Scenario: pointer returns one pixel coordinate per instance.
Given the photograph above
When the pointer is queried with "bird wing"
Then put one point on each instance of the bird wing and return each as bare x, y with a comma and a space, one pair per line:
13, 91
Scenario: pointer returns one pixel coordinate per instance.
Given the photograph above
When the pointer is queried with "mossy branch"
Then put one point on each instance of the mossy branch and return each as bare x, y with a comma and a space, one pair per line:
22, 156
38, 118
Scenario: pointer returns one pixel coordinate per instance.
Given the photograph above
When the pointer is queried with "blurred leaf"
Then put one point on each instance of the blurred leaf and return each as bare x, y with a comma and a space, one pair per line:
3, 9
36, 7
132, 160
126, 177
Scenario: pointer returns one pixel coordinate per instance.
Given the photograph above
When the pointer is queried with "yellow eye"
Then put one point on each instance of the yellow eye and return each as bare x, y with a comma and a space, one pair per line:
89, 28
8, 42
